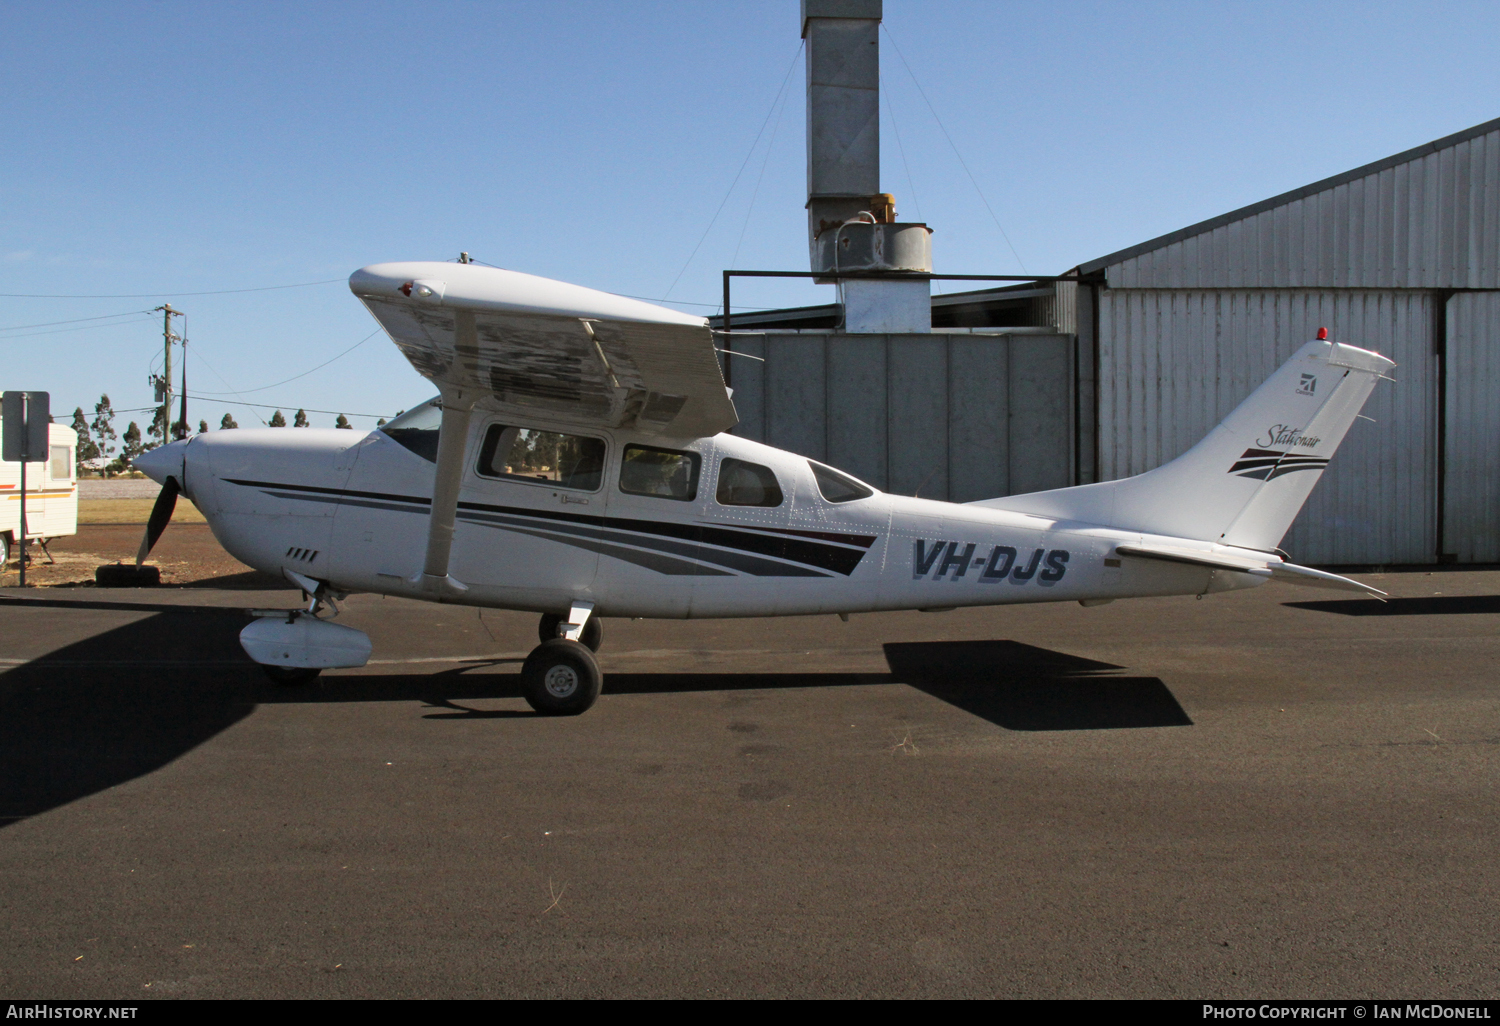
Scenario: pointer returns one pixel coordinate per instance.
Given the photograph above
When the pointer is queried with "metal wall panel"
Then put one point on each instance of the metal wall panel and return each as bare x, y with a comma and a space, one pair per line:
946, 416
1172, 364
979, 428
857, 414
1040, 415
1471, 484
796, 410
1431, 222
918, 391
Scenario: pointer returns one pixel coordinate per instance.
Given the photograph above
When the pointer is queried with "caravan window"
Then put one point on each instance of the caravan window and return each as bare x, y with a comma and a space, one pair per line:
62, 463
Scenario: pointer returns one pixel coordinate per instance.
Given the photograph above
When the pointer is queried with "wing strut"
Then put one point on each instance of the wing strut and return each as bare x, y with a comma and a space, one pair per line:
457, 410
453, 436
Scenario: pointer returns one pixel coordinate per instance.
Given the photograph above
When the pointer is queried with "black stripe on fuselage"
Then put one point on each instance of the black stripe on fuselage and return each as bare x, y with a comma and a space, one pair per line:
744, 562
837, 558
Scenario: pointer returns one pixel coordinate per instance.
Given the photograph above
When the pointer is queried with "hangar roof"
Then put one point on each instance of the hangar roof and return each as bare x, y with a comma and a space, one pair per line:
1425, 218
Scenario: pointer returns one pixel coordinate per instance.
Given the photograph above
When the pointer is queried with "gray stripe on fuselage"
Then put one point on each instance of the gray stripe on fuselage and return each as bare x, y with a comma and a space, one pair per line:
650, 560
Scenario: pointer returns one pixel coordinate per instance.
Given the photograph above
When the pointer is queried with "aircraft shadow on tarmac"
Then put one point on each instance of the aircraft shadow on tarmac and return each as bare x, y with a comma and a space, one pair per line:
1431, 605
118, 705
1021, 687
130, 700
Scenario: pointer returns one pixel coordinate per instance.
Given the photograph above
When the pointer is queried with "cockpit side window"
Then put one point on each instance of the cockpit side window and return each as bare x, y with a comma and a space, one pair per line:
548, 457
747, 484
836, 486
417, 429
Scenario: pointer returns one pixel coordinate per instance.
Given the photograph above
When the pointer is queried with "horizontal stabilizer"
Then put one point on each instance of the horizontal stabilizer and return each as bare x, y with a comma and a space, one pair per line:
1197, 557
1275, 569
1291, 573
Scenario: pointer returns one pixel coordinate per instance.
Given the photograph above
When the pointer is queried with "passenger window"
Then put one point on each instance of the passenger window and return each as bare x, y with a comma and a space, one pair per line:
526, 454
838, 487
62, 463
664, 473
747, 484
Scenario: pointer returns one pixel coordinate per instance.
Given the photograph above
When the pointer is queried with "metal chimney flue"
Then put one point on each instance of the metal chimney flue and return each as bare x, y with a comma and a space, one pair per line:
851, 224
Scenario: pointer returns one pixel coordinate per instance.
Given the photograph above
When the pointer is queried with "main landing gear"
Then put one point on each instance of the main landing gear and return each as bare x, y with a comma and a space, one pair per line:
561, 677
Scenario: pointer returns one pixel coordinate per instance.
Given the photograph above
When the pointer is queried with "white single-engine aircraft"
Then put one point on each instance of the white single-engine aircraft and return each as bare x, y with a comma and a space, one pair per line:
575, 464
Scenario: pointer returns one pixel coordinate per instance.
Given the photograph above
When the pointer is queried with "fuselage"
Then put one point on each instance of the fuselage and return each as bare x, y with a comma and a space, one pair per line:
639, 526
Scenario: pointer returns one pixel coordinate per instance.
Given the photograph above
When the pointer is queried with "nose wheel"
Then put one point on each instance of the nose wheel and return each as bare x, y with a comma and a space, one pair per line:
561, 678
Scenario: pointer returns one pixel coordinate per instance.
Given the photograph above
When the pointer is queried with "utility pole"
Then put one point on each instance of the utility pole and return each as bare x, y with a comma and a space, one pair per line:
164, 381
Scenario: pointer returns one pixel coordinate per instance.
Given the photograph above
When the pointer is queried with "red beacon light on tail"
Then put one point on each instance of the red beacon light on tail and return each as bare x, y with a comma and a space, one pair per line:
1322, 334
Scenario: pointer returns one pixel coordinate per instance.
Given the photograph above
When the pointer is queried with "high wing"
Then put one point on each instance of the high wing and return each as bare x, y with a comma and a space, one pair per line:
532, 346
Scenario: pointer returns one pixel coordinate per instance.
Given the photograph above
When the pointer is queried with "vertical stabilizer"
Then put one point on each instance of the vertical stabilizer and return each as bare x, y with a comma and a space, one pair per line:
1245, 482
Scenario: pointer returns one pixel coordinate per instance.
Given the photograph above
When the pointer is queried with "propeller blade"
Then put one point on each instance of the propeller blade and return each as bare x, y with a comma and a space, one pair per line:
161, 513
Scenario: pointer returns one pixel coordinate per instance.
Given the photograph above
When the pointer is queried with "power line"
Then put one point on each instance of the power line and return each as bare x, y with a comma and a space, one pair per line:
974, 181
76, 320
305, 373
226, 384
64, 331
174, 295
755, 193
712, 221
282, 406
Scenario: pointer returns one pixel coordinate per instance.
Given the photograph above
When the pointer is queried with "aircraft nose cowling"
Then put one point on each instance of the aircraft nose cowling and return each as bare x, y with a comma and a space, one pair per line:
163, 462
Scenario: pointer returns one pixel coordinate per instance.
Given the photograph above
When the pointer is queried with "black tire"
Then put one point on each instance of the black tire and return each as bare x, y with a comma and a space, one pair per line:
593, 630
4, 550
561, 678
127, 575
291, 676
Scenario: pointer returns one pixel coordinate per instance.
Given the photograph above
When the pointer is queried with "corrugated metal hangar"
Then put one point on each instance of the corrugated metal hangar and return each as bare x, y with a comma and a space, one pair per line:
1139, 354
1401, 256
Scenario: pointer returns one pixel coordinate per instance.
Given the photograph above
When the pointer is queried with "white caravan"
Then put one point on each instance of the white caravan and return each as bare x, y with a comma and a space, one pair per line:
576, 464
51, 494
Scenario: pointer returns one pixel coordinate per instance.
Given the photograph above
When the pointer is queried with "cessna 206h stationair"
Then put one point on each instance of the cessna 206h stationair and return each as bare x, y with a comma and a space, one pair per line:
575, 464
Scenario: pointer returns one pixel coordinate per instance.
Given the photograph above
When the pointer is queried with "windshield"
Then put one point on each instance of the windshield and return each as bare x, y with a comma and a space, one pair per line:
417, 428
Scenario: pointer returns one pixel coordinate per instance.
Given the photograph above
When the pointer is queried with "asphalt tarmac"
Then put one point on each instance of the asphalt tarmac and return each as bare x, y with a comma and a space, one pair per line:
1279, 793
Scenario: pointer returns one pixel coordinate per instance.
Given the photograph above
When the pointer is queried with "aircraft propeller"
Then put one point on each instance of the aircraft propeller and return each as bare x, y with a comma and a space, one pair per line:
161, 515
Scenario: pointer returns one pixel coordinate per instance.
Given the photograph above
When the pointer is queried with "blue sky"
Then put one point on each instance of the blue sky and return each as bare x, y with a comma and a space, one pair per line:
168, 148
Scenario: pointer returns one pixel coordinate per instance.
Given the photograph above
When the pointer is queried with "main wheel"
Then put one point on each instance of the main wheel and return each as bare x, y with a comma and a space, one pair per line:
291, 676
593, 630
4, 550
560, 678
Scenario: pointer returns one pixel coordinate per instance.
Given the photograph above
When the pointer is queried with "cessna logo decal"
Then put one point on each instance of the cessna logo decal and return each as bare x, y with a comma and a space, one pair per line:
1309, 384
1003, 563
1269, 464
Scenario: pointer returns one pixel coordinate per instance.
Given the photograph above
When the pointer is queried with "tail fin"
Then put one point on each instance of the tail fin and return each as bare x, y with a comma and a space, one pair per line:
1244, 483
